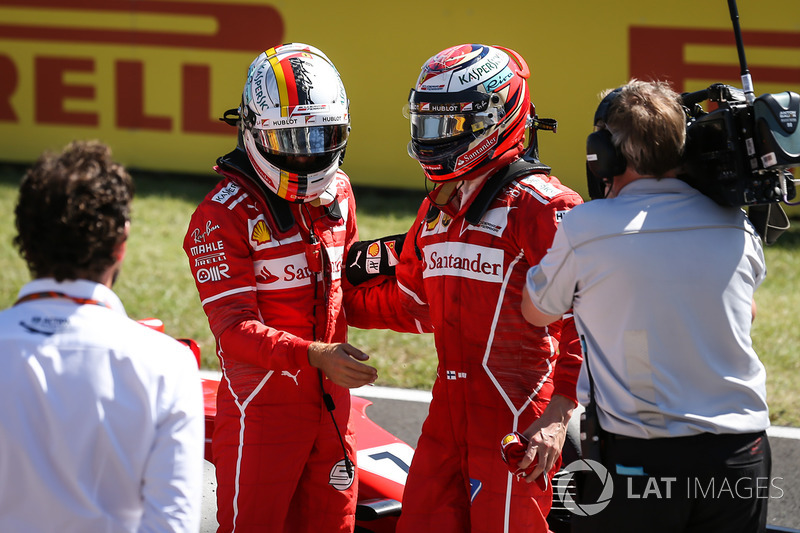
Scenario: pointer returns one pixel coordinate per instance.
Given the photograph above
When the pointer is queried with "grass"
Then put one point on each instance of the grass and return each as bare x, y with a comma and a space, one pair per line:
776, 335
156, 282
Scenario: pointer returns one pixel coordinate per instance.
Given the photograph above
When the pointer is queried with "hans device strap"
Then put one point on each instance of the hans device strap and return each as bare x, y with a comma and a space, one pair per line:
515, 170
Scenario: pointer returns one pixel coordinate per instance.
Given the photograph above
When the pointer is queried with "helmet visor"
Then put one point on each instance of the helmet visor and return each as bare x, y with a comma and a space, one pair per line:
435, 128
302, 165
440, 117
306, 141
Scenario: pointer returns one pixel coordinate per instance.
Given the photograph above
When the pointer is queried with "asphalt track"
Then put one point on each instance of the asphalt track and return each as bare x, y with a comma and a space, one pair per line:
402, 412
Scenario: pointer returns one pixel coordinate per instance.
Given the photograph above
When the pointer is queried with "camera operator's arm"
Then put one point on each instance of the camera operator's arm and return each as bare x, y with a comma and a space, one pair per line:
532, 314
550, 285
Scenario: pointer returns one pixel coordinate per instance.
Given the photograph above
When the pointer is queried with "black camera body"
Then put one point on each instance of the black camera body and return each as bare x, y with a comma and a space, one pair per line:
738, 153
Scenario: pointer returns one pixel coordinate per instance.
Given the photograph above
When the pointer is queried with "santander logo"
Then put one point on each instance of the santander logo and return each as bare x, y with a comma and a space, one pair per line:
463, 260
282, 273
265, 276
478, 151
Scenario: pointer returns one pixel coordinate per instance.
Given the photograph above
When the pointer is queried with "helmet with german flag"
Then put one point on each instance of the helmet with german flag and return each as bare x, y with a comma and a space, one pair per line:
295, 121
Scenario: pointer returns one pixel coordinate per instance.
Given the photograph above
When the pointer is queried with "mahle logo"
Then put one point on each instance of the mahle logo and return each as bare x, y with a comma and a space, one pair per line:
584, 508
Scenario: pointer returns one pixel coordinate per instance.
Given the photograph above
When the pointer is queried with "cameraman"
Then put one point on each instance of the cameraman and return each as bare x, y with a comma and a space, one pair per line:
661, 279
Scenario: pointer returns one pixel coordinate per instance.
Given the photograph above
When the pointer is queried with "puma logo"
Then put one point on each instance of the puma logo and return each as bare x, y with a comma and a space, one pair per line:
355, 263
290, 375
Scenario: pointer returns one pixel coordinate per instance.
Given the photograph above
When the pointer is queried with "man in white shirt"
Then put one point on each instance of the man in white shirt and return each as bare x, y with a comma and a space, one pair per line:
101, 418
661, 281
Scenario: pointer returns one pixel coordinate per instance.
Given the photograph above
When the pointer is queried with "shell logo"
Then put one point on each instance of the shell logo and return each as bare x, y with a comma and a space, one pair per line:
509, 438
374, 249
261, 233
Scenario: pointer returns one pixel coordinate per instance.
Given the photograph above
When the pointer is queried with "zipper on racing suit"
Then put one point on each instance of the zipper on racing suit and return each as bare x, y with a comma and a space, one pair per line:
318, 263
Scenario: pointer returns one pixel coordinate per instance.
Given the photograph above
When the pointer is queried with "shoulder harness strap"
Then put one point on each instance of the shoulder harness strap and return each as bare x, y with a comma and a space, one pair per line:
520, 167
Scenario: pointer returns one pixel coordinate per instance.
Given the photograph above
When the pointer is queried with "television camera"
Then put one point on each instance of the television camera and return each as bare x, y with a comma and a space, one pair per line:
739, 153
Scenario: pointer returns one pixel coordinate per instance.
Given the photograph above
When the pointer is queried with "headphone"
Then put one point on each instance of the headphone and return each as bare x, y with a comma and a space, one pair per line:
603, 159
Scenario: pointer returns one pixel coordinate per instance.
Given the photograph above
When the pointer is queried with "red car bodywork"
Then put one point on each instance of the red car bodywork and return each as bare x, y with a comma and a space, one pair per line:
383, 462
383, 459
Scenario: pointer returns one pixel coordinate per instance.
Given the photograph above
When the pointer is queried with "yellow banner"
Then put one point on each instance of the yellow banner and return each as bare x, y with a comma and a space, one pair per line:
152, 77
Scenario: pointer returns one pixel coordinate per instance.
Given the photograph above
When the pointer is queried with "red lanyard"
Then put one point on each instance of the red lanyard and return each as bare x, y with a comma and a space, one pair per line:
53, 294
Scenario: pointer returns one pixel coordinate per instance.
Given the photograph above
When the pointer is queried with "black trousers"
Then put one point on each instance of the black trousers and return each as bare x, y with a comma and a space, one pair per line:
703, 483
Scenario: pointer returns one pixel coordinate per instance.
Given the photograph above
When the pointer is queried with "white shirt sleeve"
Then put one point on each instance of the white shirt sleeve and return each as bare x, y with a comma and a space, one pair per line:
551, 284
173, 477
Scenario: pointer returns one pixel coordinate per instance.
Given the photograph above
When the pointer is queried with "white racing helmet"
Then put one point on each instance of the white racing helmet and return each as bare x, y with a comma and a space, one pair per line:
295, 121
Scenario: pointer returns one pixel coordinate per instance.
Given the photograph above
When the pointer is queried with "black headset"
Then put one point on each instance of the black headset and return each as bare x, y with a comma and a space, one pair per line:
603, 159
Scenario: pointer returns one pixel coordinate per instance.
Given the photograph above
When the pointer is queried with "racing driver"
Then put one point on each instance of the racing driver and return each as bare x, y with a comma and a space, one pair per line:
490, 216
265, 248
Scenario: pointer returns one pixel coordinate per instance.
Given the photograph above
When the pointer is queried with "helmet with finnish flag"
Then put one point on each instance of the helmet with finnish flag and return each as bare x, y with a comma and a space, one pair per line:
295, 122
469, 111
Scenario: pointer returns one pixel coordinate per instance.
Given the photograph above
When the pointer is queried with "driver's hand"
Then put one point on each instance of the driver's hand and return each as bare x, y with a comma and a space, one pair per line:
341, 363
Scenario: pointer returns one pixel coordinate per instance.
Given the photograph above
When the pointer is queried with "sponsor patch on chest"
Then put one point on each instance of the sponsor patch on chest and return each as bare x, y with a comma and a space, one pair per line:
261, 236
226, 193
293, 271
494, 222
282, 273
463, 260
541, 187
437, 225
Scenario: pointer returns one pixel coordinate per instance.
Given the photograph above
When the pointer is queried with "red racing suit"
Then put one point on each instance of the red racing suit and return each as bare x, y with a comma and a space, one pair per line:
496, 372
268, 293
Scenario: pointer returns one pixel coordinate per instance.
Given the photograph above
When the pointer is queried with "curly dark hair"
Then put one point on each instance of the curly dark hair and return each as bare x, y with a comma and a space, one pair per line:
72, 212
